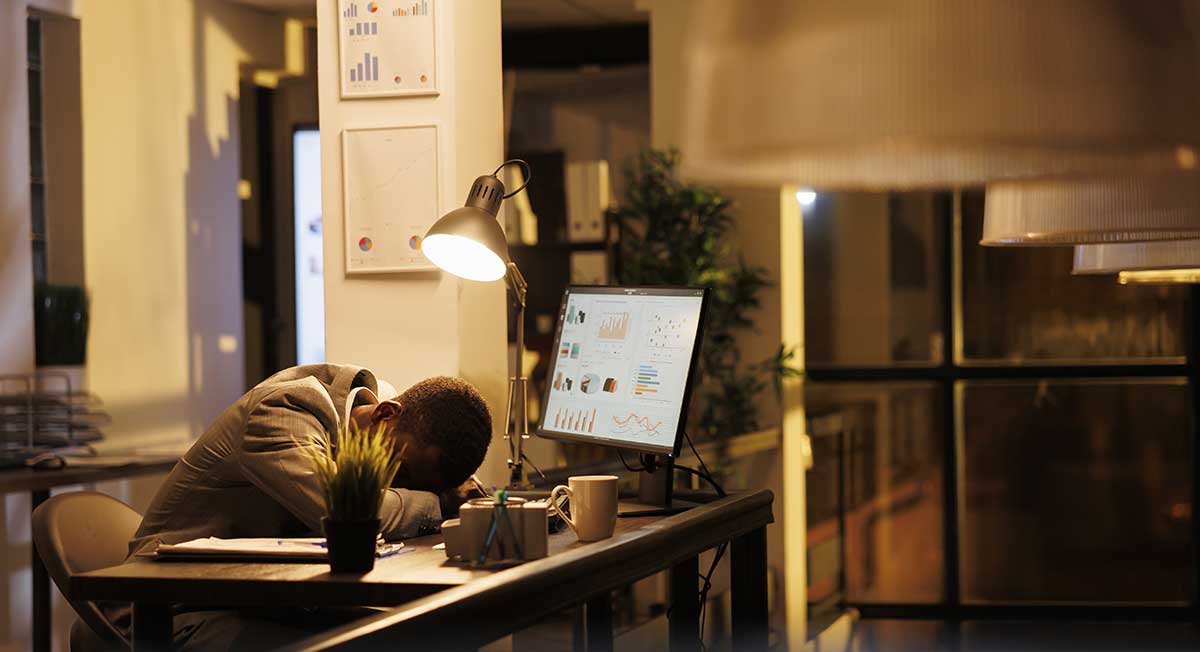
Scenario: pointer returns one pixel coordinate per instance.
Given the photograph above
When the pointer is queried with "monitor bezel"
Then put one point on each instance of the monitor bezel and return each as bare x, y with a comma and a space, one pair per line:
646, 290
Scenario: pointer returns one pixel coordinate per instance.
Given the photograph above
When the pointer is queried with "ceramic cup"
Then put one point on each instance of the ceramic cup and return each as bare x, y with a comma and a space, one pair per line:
593, 505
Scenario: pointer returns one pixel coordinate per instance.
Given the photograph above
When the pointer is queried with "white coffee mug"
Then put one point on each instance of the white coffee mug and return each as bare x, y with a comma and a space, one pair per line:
593, 505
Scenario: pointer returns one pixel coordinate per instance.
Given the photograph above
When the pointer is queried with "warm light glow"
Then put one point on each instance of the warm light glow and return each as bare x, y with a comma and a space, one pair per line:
806, 196
463, 257
1161, 276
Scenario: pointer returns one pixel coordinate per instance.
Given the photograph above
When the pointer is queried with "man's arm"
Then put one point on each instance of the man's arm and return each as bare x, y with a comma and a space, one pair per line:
273, 457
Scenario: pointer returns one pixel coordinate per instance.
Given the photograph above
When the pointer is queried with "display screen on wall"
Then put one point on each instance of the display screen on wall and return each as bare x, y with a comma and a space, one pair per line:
310, 266
387, 47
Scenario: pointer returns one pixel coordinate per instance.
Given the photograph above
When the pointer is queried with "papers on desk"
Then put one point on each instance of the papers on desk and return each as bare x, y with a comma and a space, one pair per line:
212, 548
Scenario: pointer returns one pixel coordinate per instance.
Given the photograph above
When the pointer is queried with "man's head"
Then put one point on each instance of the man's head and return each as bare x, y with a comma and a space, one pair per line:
445, 426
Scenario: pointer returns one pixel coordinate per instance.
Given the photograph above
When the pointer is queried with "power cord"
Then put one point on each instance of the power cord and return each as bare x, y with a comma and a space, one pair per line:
621, 454
535, 468
703, 476
712, 568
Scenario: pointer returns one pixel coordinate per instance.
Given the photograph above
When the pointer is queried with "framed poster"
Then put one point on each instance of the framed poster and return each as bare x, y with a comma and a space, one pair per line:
388, 47
391, 194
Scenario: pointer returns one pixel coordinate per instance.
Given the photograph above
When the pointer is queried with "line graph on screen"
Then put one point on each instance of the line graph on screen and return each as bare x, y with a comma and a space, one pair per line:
635, 425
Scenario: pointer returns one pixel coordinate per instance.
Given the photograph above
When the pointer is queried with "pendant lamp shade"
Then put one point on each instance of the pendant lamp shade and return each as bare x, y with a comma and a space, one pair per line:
1137, 257
1092, 211
935, 93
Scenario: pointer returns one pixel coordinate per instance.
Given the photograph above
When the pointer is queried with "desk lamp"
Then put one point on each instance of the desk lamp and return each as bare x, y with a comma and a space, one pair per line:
469, 243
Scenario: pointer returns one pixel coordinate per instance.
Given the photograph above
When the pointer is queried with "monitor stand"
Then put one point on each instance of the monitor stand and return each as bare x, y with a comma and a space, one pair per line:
655, 483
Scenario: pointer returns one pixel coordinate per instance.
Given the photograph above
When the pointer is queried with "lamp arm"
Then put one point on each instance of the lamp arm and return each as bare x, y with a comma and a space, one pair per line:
516, 283
517, 425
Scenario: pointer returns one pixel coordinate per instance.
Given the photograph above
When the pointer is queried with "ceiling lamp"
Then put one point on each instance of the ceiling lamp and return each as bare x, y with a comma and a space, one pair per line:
1159, 277
1092, 211
1137, 257
935, 93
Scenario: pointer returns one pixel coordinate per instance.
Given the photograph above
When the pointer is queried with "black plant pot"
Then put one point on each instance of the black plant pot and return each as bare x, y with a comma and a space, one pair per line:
351, 544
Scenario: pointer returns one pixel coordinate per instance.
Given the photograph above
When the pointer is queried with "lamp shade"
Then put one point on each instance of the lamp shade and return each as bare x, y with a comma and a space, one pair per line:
1092, 211
468, 242
935, 93
1137, 257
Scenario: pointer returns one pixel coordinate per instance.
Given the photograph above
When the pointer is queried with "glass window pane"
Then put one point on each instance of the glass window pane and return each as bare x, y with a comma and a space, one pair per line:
1076, 491
872, 278
1023, 305
889, 463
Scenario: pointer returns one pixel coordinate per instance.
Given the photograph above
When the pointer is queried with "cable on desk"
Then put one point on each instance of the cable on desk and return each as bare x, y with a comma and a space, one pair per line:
535, 468
621, 454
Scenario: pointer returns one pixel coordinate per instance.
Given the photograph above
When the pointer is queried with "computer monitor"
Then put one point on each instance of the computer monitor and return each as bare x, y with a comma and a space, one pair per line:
623, 363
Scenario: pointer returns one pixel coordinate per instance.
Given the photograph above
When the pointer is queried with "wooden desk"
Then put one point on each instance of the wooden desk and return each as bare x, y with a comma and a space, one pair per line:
439, 595
39, 483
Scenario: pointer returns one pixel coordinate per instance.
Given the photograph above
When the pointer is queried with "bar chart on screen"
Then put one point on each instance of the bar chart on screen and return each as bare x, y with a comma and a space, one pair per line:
575, 420
614, 325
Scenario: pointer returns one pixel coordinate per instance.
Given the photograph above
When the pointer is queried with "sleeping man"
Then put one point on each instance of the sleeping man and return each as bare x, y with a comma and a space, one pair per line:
247, 475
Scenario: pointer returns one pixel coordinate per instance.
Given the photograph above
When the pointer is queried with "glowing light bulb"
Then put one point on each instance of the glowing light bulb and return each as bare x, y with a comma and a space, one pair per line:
806, 196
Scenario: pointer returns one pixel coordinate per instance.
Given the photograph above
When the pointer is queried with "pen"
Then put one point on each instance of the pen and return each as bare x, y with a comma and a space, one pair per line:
478, 484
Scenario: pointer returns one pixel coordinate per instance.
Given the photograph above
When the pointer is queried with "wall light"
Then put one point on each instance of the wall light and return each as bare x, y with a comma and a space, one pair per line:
806, 196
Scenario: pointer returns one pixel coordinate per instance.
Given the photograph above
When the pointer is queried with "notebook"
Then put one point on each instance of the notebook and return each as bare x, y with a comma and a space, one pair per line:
260, 549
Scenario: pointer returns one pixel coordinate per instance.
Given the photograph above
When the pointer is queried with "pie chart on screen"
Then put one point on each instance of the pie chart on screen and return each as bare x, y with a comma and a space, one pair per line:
365, 243
414, 243
372, 7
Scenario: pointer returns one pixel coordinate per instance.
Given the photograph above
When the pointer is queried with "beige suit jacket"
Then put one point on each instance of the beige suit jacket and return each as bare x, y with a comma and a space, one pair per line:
246, 476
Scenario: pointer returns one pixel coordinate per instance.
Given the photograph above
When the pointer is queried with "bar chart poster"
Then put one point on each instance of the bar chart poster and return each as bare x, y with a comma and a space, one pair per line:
388, 47
391, 197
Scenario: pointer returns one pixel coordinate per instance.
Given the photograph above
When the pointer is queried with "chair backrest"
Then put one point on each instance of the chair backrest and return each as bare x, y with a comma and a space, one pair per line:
79, 532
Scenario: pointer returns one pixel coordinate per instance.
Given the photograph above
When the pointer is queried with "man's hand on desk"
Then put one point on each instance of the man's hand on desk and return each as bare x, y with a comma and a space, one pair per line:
452, 499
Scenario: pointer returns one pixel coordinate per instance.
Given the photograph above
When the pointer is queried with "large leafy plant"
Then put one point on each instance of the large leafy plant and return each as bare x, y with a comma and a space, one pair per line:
673, 233
354, 477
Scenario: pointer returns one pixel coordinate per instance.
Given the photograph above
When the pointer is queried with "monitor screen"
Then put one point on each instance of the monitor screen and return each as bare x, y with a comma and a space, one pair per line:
622, 366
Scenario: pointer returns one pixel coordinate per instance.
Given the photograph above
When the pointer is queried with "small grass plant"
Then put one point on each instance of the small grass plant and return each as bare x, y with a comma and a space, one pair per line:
354, 476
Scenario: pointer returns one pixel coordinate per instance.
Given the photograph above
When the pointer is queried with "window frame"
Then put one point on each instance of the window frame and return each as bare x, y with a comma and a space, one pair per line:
948, 373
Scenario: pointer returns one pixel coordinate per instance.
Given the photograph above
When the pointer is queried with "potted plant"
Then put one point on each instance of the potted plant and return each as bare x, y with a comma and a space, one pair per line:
676, 233
60, 321
354, 472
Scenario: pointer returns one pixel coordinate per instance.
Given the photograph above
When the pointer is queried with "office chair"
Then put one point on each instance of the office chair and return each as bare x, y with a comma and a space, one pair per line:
78, 532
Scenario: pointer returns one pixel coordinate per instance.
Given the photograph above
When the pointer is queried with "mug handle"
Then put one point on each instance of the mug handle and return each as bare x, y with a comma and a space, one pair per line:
553, 507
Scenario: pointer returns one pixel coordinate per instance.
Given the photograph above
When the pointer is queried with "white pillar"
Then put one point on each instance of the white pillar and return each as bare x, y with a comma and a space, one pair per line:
409, 326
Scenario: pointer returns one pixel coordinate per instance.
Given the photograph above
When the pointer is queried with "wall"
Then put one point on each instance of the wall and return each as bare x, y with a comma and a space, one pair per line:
16, 260
410, 326
161, 235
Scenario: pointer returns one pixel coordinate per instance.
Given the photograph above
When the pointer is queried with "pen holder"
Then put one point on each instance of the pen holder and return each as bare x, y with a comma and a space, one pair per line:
466, 537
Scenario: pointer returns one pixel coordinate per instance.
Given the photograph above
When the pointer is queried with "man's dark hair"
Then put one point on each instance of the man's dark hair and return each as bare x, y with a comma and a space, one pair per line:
450, 414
